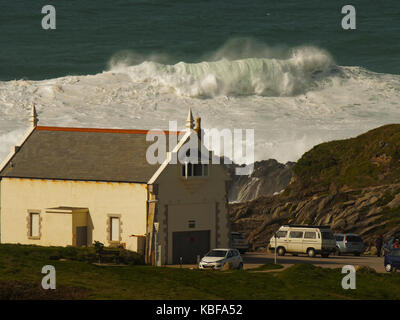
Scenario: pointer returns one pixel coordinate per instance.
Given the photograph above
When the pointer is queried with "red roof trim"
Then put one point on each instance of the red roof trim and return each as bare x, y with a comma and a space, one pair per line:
126, 131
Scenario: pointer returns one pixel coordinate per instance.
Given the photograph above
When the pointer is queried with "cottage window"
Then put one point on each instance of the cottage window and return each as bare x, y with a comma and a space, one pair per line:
205, 170
189, 169
194, 170
192, 224
114, 228
34, 224
197, 170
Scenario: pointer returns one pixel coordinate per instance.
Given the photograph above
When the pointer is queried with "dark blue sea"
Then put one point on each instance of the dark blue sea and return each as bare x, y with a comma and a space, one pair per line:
285, 69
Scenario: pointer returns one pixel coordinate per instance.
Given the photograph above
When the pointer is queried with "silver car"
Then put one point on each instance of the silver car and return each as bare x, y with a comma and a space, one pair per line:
218, 258
349, 243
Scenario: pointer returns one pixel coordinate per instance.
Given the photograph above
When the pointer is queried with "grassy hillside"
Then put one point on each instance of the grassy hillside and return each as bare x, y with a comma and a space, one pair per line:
20, 277
353, 185
370, 159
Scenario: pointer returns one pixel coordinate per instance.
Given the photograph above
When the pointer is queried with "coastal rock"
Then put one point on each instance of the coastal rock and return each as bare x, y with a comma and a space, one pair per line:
335, 184
268, 177
361, 215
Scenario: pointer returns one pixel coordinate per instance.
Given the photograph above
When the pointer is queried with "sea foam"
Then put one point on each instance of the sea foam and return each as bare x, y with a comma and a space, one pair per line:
293, 100
251, 76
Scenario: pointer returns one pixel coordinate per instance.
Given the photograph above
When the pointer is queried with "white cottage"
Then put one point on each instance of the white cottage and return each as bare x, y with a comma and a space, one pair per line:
71, 186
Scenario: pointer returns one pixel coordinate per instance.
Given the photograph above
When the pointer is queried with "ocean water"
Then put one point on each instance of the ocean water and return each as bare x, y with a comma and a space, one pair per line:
283, 68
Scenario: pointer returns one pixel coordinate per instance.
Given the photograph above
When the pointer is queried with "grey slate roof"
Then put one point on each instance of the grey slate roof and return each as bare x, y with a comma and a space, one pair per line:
83, 154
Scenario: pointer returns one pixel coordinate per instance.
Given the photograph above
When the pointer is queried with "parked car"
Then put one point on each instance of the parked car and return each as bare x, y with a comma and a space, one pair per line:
217, 258
307, 239
349, 243
239, 242
389, 244
392, 260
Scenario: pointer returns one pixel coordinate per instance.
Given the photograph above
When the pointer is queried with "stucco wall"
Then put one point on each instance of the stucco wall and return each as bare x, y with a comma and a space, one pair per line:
56, 230
202, 199
101, 198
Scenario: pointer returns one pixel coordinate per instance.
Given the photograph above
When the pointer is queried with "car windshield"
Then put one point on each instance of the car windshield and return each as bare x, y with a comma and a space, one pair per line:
327, 235
216, 253
281, 234
395, 253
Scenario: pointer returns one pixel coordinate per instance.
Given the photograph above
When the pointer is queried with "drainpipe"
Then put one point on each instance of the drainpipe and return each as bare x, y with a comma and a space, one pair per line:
151, 215
156, 251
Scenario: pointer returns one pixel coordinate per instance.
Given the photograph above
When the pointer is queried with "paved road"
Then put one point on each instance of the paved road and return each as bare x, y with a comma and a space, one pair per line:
255, 259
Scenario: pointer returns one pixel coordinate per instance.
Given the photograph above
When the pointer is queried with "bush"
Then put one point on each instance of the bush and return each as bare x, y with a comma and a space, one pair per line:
69, 253
131, 258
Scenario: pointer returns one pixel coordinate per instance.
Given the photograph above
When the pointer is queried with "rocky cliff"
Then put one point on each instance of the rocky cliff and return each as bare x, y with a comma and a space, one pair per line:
268, 177
352, 185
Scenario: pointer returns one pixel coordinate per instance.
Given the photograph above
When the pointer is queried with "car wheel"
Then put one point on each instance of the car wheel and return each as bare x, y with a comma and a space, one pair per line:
240, 267
388, 267
281, 251
311, 253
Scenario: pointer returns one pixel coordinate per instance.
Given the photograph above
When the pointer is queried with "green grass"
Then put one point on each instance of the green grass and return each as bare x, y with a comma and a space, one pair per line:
367, 160
22, 265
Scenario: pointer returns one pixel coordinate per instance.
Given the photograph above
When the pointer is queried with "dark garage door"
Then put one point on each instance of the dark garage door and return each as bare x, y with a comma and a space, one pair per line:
189, 245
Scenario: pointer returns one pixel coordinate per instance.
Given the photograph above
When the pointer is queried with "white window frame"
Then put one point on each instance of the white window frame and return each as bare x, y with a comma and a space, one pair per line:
110, 225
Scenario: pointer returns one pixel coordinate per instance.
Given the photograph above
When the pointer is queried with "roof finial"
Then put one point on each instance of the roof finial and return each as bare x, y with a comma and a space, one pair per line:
33, 119
190, 120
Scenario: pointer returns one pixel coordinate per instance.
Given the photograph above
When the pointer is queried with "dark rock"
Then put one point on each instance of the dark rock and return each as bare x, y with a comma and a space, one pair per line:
267, 178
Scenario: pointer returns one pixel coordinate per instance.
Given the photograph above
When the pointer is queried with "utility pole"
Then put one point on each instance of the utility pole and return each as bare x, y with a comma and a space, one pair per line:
275, 247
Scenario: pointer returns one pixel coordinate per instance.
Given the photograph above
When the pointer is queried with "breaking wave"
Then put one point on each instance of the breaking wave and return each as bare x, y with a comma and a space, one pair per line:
302, 70
293, 99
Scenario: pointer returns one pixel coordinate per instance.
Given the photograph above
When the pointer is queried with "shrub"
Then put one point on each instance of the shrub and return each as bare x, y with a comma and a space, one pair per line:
131, 258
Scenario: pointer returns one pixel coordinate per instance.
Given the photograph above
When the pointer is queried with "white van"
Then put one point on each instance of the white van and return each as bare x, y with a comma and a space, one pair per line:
310, 240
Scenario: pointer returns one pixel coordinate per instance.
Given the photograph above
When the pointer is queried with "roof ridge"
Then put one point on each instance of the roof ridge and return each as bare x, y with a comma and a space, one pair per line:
107, 130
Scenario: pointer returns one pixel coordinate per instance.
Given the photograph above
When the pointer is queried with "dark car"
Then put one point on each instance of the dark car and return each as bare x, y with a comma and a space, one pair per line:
389, 244
392, 260
239, 242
